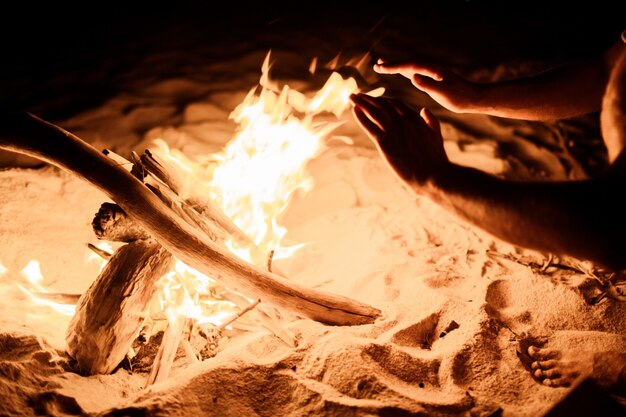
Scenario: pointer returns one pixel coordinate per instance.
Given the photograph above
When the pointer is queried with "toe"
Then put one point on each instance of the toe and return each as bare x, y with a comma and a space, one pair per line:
543, 354
549, 364
551, 373
560, 382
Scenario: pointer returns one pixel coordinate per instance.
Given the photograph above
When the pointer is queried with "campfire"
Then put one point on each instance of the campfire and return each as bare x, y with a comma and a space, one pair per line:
255, 255
195, 236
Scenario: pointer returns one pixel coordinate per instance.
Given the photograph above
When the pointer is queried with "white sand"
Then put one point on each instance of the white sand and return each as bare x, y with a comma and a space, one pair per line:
368, 238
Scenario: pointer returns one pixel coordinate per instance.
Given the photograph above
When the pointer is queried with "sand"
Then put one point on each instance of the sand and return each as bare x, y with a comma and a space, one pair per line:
456, 302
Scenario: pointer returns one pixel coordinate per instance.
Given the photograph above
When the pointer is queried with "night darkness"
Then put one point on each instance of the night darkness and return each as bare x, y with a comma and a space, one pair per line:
56, 58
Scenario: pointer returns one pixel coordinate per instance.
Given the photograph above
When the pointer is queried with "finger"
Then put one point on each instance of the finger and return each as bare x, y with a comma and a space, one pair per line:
424, 83
434, 72
370, 126
407, 111
543, 354
431, 120
377, 108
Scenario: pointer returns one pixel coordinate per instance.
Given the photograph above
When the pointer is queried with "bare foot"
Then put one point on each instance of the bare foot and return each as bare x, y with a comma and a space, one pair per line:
564, 368
556, 368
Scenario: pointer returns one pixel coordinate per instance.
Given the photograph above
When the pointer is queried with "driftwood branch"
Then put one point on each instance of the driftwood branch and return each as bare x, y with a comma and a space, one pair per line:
28, 134
108, 316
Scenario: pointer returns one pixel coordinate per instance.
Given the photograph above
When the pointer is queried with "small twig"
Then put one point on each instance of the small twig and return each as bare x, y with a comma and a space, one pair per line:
60, 298
236, 316
270, 259
138, 170
158, 169
192, 357
104, 254
167, 351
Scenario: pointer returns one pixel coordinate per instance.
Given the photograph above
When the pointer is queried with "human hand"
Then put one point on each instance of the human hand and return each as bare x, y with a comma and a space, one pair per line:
410, 142
452, 91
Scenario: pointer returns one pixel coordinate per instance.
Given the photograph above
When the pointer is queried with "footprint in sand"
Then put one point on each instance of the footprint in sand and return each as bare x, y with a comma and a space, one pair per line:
497, 300
401, 359
407, 367
498, 294
421, 334
499, 306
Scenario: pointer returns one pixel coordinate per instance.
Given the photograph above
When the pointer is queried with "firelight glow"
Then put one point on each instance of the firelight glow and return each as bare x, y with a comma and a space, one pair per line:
180, 296
32, 274
253, 180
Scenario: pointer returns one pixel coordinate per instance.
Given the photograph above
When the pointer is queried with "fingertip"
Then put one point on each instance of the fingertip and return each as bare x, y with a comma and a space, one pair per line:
430, 119
353, 98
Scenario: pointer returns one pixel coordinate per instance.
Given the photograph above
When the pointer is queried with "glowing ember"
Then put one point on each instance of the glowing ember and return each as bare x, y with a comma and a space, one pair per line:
180, 296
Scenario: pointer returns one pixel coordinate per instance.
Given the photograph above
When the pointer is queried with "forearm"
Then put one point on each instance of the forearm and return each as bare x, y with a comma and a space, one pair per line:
567, 91
579, 219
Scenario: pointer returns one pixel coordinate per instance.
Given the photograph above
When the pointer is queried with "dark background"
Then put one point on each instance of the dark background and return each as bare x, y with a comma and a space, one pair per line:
60, 59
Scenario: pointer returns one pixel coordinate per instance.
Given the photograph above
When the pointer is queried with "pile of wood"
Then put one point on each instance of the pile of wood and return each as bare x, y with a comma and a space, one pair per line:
157, 225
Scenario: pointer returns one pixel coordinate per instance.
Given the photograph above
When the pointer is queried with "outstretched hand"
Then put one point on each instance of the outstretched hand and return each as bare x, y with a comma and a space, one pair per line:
444, 86
410, 142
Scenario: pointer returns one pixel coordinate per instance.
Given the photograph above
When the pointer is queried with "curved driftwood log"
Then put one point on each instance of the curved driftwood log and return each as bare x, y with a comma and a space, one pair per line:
28, 134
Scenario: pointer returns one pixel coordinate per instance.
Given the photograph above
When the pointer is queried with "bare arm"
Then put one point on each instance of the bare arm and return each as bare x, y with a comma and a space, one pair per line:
579, 218
566, 91
584, 219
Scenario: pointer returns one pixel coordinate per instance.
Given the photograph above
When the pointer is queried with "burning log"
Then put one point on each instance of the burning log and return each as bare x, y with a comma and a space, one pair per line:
216, 220
30, 135
197, 210
109, 315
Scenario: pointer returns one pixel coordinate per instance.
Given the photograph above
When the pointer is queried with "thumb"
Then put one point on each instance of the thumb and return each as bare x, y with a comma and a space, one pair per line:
424, 83
431, 120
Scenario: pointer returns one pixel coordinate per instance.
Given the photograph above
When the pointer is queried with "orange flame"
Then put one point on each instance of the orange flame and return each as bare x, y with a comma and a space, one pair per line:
32, 274
253, 180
